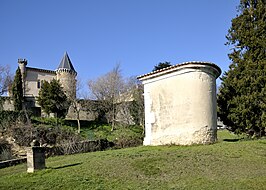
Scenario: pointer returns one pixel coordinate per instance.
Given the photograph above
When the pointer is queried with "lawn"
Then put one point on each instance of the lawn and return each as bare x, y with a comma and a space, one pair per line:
228, 164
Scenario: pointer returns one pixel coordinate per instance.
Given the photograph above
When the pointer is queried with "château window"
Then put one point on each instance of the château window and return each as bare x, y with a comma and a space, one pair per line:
38, 84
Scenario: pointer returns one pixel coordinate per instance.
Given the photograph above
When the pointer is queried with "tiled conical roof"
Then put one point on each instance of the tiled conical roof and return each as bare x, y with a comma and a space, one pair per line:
66, 63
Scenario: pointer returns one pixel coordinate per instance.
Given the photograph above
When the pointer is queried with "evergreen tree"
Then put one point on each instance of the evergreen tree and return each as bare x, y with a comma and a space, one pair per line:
17, 91
242, 97
52, 98
161, 65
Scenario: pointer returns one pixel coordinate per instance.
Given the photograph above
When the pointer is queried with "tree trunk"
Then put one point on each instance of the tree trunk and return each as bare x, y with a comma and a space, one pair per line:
113, 118
78, 120
78, 126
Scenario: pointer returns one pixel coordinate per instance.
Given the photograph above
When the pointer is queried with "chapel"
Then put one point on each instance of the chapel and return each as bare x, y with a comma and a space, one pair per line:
180, 104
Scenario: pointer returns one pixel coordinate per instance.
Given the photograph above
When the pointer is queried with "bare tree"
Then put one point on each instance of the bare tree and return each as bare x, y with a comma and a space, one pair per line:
5, 82
75, 103
107, 90
5, 79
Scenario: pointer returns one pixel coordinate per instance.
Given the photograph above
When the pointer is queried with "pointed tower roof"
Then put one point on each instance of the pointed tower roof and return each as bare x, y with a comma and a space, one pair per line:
66, 63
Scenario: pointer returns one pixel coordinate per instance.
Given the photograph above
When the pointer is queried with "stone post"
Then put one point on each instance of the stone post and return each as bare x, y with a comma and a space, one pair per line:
35, 158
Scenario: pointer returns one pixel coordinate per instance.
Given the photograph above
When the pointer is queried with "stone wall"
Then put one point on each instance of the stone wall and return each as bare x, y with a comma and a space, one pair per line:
83, 114
7, 103
13, 162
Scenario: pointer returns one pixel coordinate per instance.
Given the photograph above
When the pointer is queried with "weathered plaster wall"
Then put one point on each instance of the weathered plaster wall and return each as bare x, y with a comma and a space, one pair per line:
180, 106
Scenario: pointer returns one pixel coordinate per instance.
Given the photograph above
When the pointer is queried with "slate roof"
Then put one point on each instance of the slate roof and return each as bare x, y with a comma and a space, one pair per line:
40, 70
66, 63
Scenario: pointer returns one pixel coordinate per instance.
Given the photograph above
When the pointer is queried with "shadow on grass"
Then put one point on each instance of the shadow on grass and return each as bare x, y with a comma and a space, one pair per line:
231, 140
66, 166
262, 142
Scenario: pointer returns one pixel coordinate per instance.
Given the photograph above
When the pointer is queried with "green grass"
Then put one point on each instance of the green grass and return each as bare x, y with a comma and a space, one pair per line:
224, 165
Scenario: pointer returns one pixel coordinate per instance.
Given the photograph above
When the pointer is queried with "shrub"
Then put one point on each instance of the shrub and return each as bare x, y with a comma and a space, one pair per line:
9, 117
102, 132
5, 150
126, 137
47, 121
6, 154
122, 137
21, 133
53, 135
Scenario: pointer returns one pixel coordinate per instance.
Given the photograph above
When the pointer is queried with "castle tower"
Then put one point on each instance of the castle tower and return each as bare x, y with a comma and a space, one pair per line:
66, 74
22, 63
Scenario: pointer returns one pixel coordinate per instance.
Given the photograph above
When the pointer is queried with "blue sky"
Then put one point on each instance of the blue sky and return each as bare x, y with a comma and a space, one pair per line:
98, 34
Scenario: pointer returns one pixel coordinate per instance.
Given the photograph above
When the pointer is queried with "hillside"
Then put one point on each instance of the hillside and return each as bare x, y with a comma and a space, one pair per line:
228, 164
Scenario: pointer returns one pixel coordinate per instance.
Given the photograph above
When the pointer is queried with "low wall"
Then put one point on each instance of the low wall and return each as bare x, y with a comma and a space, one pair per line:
80, 147
12, 162
72, 148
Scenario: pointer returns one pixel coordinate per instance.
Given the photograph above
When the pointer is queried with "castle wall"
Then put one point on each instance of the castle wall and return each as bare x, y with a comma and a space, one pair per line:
83, 115
33, 77
7, 104
180, 106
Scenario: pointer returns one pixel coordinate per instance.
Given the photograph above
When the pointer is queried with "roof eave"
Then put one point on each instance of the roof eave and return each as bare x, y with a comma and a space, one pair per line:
177, 67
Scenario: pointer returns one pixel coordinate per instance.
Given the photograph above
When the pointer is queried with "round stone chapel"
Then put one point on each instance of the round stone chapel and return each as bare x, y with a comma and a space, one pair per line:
180, 104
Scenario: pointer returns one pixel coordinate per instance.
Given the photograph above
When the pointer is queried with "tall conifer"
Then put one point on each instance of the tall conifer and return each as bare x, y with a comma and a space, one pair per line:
242, 95
17, 91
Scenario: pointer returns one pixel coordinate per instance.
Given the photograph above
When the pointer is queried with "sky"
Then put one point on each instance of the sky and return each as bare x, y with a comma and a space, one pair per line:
99, 34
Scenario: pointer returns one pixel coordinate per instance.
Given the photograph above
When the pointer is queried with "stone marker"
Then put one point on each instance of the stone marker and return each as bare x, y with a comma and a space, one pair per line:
35, 157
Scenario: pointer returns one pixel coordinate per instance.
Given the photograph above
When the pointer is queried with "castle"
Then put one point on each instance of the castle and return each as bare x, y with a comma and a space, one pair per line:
32, 79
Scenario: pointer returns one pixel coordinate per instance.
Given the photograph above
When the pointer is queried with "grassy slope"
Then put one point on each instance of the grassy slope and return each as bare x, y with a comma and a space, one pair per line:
224, 165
